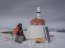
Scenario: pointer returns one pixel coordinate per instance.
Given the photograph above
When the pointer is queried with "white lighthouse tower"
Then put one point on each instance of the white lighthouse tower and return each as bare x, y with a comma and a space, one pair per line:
36, 28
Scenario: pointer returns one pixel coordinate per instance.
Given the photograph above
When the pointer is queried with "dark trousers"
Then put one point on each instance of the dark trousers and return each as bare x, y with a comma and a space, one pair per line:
18, 39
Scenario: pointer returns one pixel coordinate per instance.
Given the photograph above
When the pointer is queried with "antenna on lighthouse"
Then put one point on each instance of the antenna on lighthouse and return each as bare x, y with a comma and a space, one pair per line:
38, 13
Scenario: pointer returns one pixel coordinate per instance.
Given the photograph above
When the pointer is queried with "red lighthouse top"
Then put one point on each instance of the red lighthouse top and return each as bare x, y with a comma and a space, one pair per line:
36, 21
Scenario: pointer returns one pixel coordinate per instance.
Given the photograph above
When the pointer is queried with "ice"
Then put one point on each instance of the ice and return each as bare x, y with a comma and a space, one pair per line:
29, 44
57, 41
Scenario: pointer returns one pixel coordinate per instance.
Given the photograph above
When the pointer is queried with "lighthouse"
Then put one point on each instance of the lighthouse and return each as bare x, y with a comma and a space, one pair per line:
36, 28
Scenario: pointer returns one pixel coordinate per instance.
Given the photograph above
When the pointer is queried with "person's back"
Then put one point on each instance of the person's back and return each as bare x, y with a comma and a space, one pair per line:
19, 33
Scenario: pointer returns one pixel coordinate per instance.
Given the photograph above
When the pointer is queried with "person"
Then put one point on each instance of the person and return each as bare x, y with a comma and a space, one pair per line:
18, 33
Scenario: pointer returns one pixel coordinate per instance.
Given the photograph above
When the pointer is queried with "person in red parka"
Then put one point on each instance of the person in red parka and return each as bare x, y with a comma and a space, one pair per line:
18, 33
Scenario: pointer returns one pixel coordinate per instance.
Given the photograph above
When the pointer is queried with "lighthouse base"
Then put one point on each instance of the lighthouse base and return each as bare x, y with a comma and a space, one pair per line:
36, 33
39, 40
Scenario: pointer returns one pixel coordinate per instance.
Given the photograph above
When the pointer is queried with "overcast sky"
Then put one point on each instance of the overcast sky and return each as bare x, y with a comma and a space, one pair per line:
15, 11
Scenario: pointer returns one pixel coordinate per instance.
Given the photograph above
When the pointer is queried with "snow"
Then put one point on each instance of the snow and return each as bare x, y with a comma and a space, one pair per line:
57, 41
3, 30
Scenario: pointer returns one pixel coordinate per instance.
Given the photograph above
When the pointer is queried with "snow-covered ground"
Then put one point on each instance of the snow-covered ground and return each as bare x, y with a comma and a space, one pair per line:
3, 30
57, 41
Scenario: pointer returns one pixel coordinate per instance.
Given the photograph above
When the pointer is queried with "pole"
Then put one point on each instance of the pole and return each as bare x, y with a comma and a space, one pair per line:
47, 34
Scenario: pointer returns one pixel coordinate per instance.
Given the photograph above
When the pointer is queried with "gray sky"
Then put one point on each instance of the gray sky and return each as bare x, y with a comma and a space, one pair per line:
15, 11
